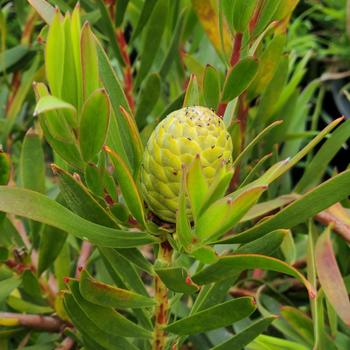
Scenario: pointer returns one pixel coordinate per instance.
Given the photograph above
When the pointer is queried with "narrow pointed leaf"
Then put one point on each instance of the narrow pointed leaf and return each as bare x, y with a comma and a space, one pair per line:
211, 87
233, 264
330, 277
218, 316
192, 93
94, 124
244, 337
128, 186
37, 207
107, 319
239, 78
103, 294
242, 14
89, 61
54, 52
225, 213
45, 10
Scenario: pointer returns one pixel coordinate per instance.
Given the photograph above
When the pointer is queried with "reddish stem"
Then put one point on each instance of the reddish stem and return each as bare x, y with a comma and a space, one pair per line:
236, 51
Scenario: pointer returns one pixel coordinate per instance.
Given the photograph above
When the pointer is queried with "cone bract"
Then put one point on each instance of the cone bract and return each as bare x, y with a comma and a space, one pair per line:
174, 144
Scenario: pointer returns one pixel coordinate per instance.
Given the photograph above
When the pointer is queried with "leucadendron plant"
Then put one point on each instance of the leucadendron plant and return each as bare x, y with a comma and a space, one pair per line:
170, 220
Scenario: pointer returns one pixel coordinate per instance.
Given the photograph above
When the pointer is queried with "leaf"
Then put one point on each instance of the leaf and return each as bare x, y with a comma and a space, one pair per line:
106, 318
330, 277
218, 316
32, 164
176, 279
255, 141
120, 12
146, 11
21, 305
174, 45
108, 27
225, 213
233, 264
77, 198
84, 324
318, 165
147, 99
242, 14
45, 10
51, 103
5, 168
128, 186
268, 63
94, 123
266, 245
197, 187
7, 286
211, 87
245, 336
192, 93
89, 61
104, 294
37, 207
313, 202
152, 38
54, 51
51, 243
210, 23
239, 78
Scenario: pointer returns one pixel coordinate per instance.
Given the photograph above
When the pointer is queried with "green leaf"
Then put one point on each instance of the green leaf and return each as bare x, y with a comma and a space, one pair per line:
120, 12
32, 163
147, 99
266, 245
218, 316
77, 198
225, 213
255, 141
245, 336
5, 168
45, 10
85, 325
27, 307
51, 243
152, 38
174, 44
268, 63
128, 186
330, 277
197, 186
242, 14
313, 202
146, 11
125, 270
183, 226
37, 207
89, 62
7, 286
106, 318
94, 123
233, 264
54, 51
109, 30
104, 294
300, 322
211, 87
239, 78
52, 103
176, 279
192, 93
317, 167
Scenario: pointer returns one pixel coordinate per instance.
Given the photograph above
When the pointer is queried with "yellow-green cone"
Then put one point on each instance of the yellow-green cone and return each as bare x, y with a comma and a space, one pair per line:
175, 142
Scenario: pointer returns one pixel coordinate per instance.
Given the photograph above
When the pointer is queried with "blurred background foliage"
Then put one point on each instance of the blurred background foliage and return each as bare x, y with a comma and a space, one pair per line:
170, 55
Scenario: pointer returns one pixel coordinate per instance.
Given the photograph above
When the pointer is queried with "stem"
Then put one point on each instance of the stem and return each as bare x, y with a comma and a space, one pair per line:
38, 322
161, 296
236, 52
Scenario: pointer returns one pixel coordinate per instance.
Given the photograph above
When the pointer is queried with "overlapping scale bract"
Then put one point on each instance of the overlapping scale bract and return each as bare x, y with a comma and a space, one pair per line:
175, 143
